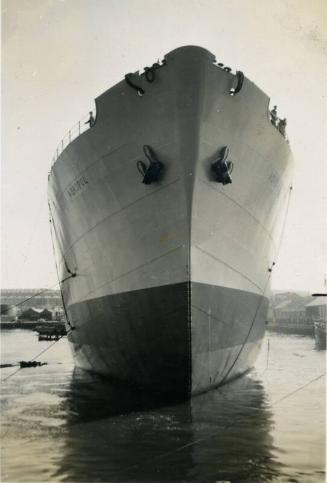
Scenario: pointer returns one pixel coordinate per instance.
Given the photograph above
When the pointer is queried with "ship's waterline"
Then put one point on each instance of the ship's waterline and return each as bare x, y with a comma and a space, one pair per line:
172, 277
157, 326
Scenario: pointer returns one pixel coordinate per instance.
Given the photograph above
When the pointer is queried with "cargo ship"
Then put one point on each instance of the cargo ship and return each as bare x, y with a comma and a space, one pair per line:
167, 210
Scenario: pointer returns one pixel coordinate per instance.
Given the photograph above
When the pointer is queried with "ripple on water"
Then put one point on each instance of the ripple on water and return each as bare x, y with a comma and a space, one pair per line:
64, 425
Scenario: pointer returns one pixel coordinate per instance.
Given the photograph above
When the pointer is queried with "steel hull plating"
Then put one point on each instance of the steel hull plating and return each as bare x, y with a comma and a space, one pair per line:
150, 340
172, 278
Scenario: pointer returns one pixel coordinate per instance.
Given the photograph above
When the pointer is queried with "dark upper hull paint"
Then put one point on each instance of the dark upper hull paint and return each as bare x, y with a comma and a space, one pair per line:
172, 277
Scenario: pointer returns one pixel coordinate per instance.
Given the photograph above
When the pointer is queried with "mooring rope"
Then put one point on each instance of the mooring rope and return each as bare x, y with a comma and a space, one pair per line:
298, 389
37, 294
35, 357
72, 274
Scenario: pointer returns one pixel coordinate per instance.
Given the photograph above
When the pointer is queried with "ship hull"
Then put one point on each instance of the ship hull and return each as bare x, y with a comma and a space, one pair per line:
147, 336
172, 278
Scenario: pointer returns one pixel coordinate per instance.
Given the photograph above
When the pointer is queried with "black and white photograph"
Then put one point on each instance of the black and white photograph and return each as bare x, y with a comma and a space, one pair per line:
163, 241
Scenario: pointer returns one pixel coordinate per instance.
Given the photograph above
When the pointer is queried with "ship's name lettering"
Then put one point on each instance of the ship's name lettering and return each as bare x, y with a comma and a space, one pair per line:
77, 186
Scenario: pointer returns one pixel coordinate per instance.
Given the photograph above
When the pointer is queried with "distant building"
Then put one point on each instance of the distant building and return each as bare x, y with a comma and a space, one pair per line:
8, 312
24, 299
280, 296
290, 314
316, 309
36, 314
58, 313
316, 312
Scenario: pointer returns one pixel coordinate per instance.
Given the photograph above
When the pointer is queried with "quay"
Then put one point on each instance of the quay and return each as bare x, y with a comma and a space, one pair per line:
296, 313
37, 325
19, 324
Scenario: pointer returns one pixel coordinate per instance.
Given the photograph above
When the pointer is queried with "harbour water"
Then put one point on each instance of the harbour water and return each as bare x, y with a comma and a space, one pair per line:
61, 424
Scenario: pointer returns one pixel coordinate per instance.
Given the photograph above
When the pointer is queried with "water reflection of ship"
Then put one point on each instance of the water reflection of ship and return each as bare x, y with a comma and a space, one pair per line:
221, 435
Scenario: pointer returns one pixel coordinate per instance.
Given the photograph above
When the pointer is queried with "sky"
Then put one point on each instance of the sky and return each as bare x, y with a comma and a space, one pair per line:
58, 55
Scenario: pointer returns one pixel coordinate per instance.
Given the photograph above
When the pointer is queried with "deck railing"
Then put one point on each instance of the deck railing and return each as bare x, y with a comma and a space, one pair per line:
81, 126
